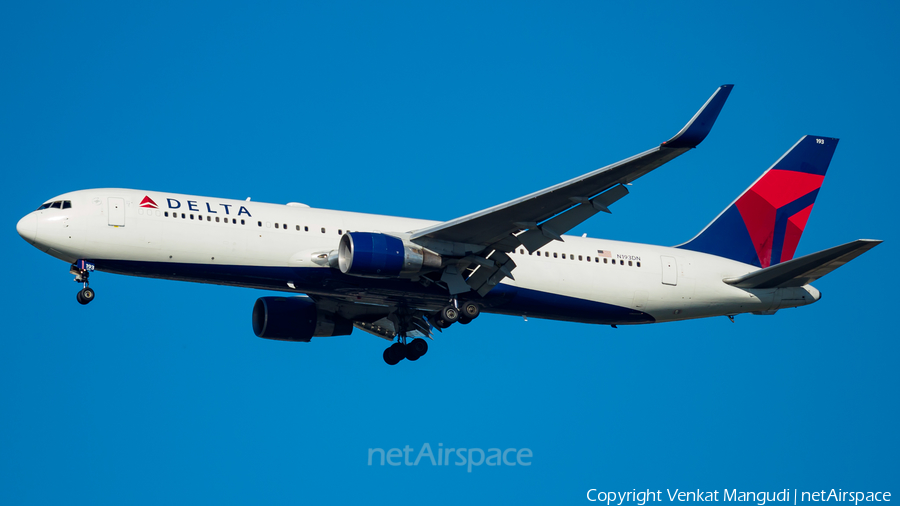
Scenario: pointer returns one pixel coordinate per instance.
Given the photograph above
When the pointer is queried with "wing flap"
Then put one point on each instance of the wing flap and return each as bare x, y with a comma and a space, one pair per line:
540, 235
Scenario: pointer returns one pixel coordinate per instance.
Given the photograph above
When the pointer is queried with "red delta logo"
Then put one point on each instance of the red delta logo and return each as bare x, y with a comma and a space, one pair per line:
148, 202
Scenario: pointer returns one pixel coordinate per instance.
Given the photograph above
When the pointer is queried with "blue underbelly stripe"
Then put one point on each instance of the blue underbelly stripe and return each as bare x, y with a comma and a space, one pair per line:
504, 299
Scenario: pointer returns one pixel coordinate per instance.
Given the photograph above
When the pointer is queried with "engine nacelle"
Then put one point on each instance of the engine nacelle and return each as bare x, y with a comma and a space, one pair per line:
295, 319
372, 255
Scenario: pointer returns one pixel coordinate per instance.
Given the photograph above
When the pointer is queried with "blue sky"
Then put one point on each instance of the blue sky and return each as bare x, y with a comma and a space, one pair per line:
159, 391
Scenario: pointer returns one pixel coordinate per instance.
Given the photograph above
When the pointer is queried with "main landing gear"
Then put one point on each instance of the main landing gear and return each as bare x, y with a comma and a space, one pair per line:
453, 313
410, 351
82, 270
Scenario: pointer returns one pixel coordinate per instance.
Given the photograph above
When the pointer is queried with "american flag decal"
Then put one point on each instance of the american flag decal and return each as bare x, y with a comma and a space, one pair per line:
604, 253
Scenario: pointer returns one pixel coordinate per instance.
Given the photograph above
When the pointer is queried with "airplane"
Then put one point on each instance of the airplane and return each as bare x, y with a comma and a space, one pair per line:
401, 279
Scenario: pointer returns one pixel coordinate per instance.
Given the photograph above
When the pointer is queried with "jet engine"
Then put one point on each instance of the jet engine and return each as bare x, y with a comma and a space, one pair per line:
374, 255
295, 319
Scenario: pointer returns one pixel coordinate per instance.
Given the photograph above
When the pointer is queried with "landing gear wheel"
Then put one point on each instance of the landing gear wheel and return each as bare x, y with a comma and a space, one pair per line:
416, 348
470, 310
420, 345
449, 314
393, 354
463, 320
85, 296
440, 323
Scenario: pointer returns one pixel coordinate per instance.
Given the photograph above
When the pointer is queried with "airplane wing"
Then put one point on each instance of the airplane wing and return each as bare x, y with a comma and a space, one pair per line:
483, 238
577, 199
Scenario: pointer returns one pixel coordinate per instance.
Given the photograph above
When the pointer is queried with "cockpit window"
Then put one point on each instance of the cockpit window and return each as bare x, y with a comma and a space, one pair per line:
59, 204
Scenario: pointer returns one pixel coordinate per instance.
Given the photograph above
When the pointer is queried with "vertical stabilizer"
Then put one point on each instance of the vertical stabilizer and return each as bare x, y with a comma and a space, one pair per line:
763, 226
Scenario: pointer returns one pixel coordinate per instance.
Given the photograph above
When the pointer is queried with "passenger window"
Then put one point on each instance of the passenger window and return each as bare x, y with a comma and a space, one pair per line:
284, 226
56, 205
323, 230
340, 232
276, 225
192, 216
306, 229
167, 214
208, 218
259, 223
606, 260
638, 264
629, 263
67, 204
298, 228
579, 258
235, 222
564, 256
621, 262
597, 259
217, 219
554, 255
182, 216
546, 253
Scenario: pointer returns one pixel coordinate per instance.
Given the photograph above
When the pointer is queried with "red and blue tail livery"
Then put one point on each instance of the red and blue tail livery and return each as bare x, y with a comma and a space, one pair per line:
763, 226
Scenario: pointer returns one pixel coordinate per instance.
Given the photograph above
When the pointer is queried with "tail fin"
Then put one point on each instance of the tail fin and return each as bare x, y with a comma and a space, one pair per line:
763, 225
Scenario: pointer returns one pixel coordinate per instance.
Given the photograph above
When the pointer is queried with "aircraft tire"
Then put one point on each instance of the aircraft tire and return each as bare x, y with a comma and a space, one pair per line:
87, 295
419, 346
470, 310
450, 314
393, 354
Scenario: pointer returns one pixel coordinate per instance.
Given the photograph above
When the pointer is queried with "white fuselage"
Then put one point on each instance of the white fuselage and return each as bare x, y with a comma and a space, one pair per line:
284, 247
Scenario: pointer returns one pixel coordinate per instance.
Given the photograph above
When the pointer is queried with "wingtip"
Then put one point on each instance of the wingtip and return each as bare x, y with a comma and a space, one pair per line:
700, 125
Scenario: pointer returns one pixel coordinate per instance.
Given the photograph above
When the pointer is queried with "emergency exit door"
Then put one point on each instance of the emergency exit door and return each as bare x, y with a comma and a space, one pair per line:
116, 212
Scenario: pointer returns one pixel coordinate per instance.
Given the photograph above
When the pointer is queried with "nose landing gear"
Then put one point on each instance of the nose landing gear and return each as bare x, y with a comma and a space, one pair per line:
85, 295
82, 269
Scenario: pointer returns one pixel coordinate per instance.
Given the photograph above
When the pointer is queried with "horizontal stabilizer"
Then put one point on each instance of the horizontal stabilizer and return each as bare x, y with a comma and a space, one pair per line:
804, 270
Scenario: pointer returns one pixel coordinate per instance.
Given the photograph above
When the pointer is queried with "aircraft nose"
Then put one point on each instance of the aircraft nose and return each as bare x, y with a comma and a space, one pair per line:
27, 227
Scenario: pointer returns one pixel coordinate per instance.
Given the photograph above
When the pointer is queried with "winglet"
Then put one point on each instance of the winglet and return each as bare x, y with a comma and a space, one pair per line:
699, 126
